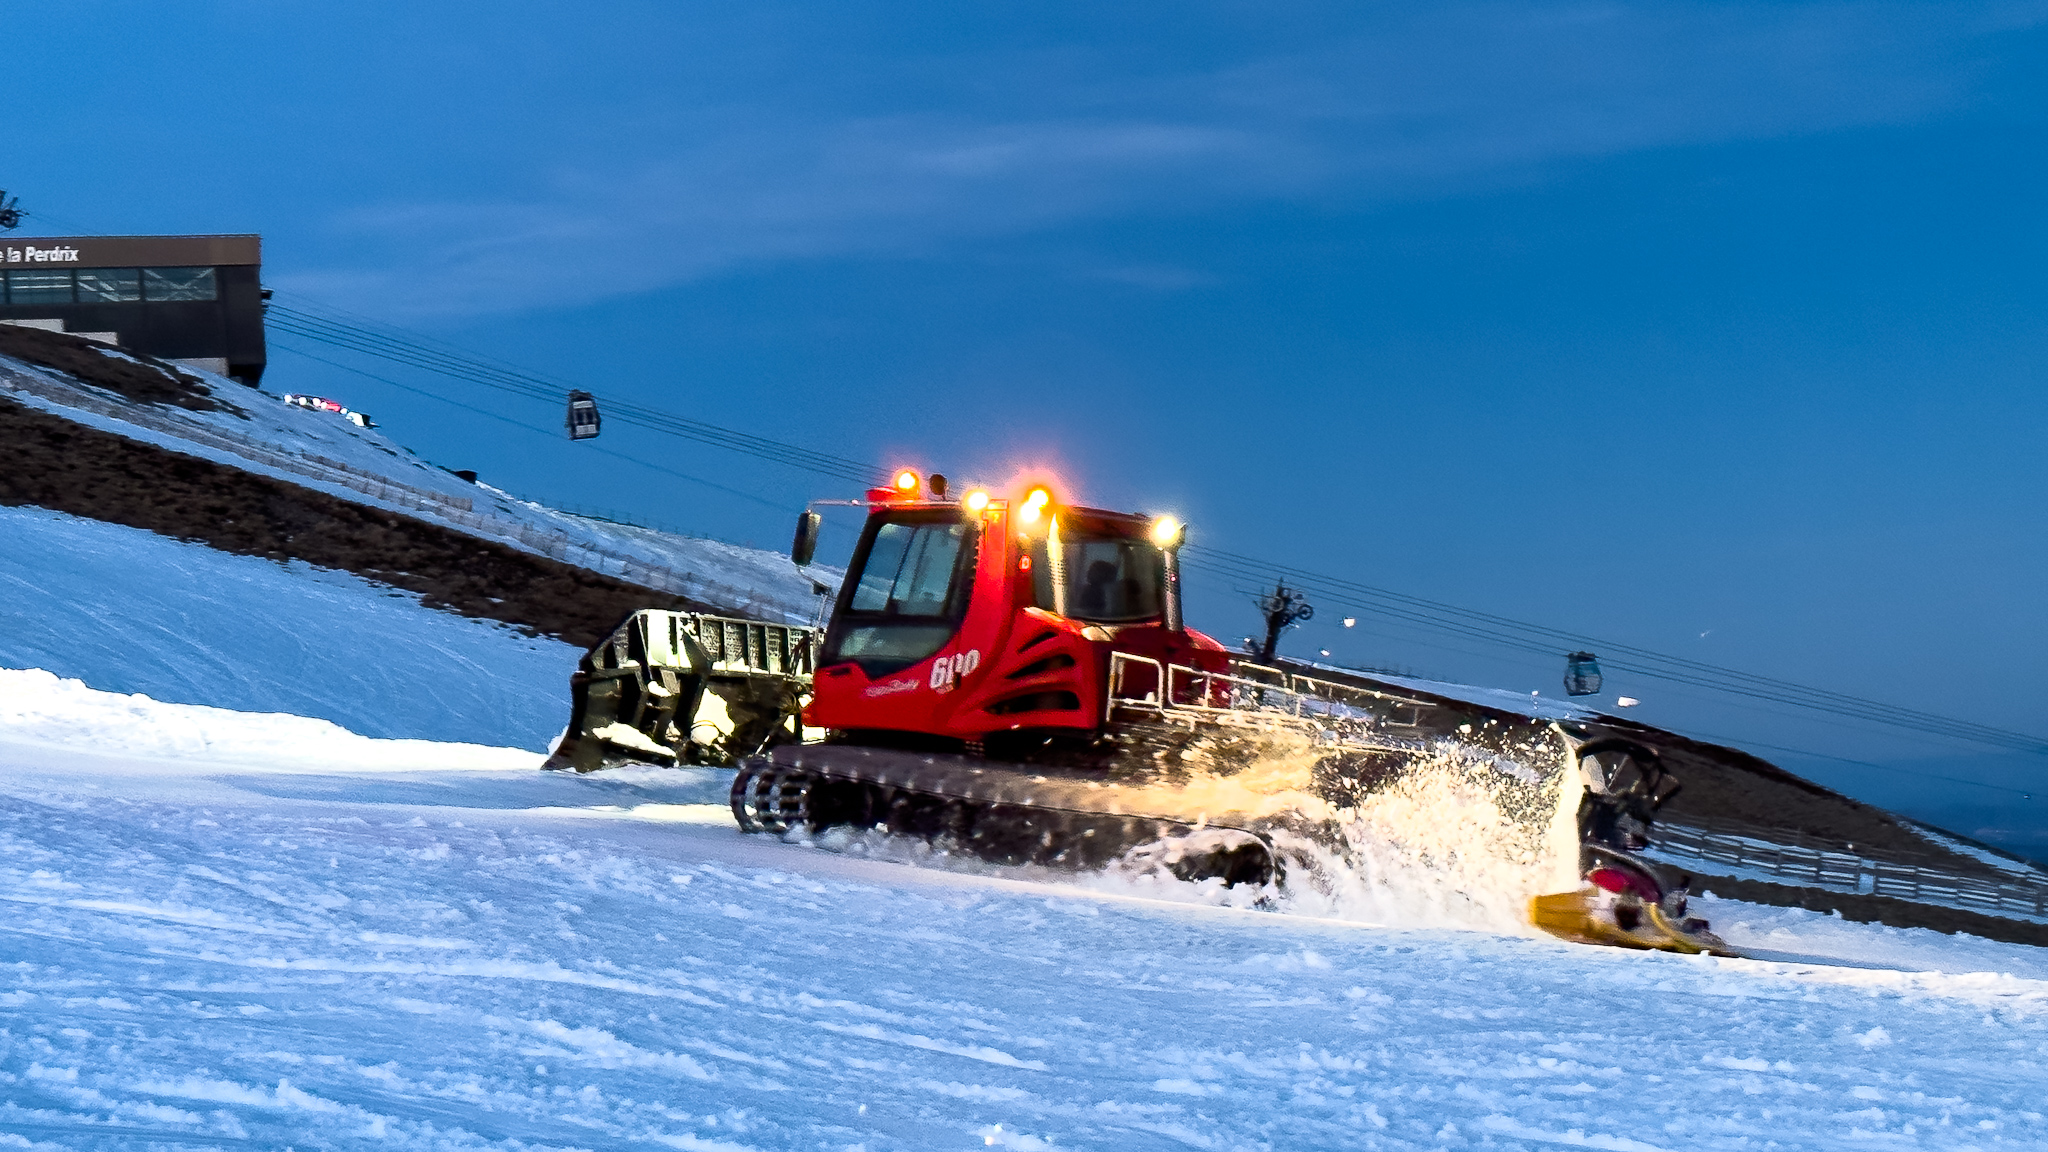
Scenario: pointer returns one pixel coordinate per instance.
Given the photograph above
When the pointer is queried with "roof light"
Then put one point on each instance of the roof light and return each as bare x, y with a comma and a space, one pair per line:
1034, 505
906, 482
1167, 531
976, 500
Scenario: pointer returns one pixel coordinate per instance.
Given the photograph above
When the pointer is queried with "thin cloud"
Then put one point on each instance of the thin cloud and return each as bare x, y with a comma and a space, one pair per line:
1430, 102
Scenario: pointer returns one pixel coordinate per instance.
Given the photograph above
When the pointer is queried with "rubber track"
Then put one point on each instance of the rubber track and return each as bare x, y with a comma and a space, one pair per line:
1006, 814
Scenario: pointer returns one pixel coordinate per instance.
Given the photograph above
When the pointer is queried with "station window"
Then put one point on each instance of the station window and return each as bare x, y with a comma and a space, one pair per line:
41, 286
179, 284
109, 285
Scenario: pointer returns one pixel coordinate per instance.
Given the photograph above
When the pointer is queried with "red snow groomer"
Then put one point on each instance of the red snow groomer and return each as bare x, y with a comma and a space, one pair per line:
1010, 676
1013, 676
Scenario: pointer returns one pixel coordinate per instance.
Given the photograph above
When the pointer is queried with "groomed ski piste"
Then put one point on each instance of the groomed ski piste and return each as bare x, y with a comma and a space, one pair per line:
349, 911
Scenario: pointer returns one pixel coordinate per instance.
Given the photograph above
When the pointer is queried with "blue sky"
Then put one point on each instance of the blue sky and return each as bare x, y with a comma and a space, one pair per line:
1716, 329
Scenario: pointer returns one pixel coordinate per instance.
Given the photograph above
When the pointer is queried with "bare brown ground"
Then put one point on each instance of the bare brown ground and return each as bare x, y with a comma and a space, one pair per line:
48, 461
141, 378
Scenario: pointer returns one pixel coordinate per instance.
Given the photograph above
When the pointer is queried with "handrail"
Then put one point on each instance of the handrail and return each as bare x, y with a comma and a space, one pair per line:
1117, 664
1182, 693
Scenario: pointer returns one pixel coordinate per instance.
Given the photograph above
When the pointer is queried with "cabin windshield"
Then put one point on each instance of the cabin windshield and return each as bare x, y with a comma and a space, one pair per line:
905, 591
1098, 572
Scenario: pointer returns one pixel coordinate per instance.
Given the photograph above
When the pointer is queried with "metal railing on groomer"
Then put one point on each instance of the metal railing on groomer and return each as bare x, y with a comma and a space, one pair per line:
1257, 696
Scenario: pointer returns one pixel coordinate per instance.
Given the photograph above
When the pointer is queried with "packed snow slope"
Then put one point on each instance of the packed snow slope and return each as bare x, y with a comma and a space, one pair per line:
130, 611
239, 931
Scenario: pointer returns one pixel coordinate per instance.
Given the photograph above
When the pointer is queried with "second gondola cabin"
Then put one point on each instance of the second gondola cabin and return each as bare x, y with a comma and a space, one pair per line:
1581, 674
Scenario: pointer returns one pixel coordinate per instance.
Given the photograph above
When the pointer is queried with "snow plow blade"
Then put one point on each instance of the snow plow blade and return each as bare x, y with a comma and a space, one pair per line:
1592, 915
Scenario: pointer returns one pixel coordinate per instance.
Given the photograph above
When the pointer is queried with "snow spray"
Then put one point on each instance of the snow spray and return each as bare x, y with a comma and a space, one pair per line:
1459, 834
1456, 832
1460, 838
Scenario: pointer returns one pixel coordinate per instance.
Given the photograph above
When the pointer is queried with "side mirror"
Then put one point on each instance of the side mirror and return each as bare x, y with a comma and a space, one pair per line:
805, 545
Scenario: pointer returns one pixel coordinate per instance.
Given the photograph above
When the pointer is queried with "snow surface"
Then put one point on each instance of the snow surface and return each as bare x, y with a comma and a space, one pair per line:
338, 942
126, 610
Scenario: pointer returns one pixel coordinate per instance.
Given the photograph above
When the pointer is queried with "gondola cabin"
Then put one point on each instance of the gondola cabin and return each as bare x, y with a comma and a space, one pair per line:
583, 420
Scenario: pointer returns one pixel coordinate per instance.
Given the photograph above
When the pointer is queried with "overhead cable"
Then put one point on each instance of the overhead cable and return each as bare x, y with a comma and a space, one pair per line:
1509, 633
416, 354
414, 350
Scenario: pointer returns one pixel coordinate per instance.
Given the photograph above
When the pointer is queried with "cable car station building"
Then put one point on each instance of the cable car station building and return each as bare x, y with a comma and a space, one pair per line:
197, 300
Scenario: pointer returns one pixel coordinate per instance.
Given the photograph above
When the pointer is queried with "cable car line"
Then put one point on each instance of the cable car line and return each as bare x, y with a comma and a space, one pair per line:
1545, 640
533, 388
528, 427
1214, 578
1487, 627
360, 339
1537, 638
1480, 625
